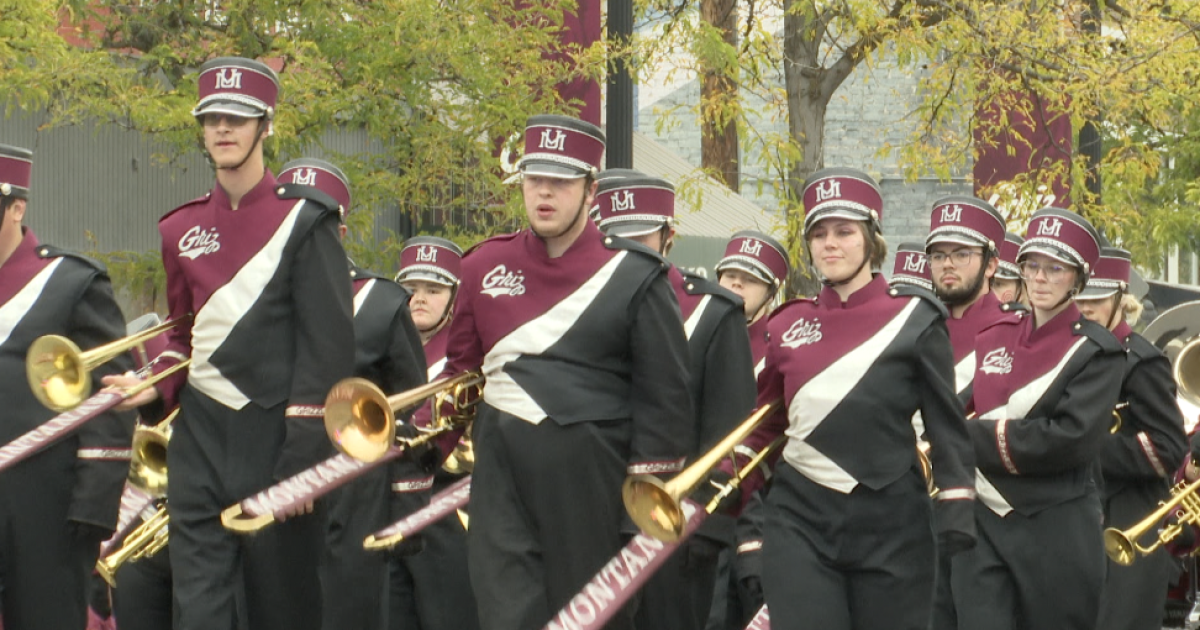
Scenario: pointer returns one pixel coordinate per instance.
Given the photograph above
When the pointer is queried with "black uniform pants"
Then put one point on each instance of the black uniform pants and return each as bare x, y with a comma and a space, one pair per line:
43, 568
1039, 572
142, 599
218, 456
1134, 596
679, 596
834, 561
546, 515
353, 579
431, 590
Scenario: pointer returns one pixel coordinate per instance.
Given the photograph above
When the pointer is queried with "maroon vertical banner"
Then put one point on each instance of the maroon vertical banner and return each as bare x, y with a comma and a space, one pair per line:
1023, 139
580, 30
761, 620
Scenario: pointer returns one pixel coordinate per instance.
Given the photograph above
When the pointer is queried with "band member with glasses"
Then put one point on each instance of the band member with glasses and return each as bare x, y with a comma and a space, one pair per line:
1146, 447
1044, 390
59, 504
1007, 283
849, 540
581, 341
259, 265
963, 248
754, 267
431, 590
641, 208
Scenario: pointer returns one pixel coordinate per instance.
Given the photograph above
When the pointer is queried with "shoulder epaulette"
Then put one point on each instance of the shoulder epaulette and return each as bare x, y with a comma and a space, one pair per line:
198, 200
499, 238
1102, 336
903, 289
50, 251
1141, 347
358, 273
630, 245
1008, 318
1014, 307
699, 285
311, 193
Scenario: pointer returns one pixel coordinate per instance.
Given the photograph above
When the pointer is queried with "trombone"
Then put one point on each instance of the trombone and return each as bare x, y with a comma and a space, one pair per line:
60, 374
147, 471
657, 506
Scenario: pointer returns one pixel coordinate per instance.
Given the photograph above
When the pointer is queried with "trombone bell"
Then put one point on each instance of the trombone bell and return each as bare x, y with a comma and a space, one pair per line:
57, 374
359, 420
659, 507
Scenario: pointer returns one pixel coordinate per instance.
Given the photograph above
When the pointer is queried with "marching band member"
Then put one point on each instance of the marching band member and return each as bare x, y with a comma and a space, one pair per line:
754, 267
642, 208
1007, 283
58, 505
848, 537
259, 265
354, 581
911, 266
582, 344
963, 246
431, 590
1139, 459
1044, 389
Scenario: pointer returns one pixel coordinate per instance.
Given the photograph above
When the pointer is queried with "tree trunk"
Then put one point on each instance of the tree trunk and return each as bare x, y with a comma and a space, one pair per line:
719, 101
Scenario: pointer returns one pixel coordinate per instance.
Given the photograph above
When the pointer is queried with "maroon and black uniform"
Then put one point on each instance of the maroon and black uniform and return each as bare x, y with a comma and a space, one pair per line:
271, 333
747, 564
586, 367
58, 505
431, 590
848, 539
721, 372
1044, 398
388, 353
1137, 465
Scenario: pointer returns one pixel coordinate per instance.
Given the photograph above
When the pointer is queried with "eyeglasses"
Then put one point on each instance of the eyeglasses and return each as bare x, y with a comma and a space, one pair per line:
1053, 273
959, 256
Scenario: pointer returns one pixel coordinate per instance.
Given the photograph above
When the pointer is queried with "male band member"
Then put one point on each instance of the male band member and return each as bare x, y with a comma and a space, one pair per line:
849, 538
581, 342
1044, 391
58, 505
354, 581
431, 590
1143, 452
754, 267
642, 208
1007, 283
963, 246
260, 266
911, 266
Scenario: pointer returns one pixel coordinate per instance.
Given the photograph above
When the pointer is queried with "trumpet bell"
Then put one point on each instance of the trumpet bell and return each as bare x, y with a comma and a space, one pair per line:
359, 419
148, 468
1119, 547
654, 507
57, 373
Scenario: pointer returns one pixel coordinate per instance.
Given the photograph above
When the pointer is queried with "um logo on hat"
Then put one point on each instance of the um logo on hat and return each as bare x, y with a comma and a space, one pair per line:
914, 263
229, 79
829, 189
427, 253
305, 176
623, 202
553, 140
751, 247
952, 214
1050, 226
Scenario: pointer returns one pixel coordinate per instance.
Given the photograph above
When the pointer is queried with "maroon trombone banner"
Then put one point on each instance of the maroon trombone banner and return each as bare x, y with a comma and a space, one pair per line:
441, 504
622, 577
134, 502
761, 620
57, 427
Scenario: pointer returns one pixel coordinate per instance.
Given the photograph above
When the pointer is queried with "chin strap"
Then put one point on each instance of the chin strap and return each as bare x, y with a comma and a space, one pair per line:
257, 138
1114, 317
432, 330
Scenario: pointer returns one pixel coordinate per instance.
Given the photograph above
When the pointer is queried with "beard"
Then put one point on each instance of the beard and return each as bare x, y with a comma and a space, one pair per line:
963, 294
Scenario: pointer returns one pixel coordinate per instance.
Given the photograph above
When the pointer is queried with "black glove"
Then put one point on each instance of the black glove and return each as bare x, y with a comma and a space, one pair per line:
88, 534
410, 546
716, 483
426, 455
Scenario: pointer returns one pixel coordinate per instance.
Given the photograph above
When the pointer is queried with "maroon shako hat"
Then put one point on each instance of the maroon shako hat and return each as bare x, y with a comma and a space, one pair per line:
1110, 276
967, 221
1008, 269
844, 193
630, 203
1063, 236
16, 171
431, 259
237, 86
321, 175
562, 147
758, 254
912, 267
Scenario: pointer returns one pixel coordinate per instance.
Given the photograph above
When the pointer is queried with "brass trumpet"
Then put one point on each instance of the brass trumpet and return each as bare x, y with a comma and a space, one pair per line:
657, 507
61, 374
1123, 547
144, 541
